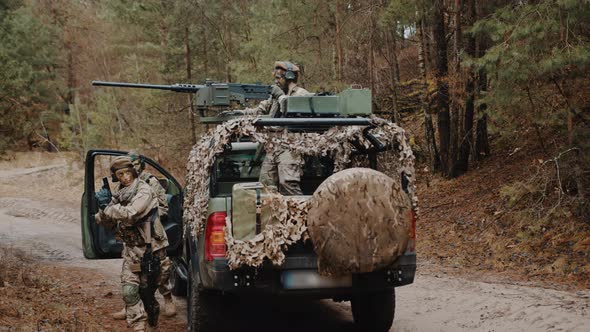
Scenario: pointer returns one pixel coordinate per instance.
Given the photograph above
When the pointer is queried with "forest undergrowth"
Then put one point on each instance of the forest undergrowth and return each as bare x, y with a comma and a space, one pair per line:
512, 214
37, 297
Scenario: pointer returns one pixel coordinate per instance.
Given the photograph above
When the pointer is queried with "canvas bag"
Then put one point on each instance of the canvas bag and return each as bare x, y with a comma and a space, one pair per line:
245, 197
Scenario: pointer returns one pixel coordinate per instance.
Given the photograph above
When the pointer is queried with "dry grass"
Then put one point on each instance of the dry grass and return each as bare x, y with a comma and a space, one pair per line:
42, 297
27, 301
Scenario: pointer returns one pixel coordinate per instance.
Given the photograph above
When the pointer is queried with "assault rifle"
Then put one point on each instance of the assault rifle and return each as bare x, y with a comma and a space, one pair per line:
209, 96
150, 271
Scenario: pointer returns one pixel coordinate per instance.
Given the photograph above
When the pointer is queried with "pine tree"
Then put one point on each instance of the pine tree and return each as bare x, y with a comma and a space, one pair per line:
29, 108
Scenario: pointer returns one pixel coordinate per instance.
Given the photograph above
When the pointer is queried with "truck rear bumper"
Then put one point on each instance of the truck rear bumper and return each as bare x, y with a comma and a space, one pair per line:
268, 279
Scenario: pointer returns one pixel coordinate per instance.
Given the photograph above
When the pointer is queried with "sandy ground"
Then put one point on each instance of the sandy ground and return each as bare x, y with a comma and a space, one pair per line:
42, 218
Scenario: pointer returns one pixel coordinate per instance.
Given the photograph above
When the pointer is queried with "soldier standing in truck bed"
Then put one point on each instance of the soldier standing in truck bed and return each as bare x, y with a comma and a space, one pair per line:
282, 168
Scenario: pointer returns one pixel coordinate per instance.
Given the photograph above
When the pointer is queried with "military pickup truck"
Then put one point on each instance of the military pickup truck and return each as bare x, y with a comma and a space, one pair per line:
202, 272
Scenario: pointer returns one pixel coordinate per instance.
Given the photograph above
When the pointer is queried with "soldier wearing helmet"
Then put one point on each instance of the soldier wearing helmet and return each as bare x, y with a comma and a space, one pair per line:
282, 168
286, 75
165, 289
132, 204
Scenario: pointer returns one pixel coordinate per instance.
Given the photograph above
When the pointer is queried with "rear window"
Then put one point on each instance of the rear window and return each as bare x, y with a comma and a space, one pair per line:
236, 166
233, 167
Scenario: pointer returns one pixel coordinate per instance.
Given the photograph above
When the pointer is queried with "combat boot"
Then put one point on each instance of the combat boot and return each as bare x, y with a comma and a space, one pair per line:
139, 326
119, 315
169, 306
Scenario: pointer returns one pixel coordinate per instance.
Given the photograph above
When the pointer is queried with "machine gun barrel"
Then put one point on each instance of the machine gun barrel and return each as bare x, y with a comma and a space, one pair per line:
212, 96
186, 88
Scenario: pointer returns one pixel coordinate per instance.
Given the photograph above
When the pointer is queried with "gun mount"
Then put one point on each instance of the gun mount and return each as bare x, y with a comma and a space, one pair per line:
209, 96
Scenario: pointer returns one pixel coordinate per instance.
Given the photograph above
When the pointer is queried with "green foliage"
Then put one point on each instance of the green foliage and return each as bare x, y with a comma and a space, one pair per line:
533, 48
27, 78
538, 49
405, 14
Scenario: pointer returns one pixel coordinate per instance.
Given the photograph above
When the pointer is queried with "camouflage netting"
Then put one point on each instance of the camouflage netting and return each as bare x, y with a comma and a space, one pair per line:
358, 220
291, 214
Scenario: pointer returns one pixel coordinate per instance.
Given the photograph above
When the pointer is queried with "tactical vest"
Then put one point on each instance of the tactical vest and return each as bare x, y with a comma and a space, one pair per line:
132, 235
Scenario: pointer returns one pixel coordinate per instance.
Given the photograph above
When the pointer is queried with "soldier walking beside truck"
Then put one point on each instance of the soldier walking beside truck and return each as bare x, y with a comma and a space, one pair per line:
164, 287
132, 213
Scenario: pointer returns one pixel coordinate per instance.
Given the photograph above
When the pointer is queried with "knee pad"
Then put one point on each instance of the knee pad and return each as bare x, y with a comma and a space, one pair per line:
130, 294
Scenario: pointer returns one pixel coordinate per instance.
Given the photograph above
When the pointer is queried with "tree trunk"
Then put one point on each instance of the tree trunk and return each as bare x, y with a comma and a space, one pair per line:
163, 30
205, 49
189, 77
71, 97
319, 54
455, 107
391, 47
391, 51
421, 47
442, 95
338, 42
434, 158
467, 139
425, 41
227, 40
372, 50
458, 35
482, 145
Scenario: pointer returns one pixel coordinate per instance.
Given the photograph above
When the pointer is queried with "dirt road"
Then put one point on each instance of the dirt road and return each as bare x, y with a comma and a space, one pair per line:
34, 219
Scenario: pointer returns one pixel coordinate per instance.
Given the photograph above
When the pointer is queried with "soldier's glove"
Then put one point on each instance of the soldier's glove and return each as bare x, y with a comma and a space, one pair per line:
276, 91
104, 198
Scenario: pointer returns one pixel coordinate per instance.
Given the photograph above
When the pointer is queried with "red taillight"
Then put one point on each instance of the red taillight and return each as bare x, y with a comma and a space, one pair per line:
215, 236
412, 242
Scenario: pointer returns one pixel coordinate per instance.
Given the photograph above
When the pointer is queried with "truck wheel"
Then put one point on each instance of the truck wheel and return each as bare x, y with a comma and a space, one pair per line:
200, 312
374, 311
177, 284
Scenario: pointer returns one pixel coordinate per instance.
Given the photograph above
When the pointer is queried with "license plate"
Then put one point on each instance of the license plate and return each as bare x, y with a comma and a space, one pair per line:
300, 279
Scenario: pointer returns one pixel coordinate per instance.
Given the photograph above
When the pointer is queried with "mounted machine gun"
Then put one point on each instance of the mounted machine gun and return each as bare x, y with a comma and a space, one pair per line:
211, 96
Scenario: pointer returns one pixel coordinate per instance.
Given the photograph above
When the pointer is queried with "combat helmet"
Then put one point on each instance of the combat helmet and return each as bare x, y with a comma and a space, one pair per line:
121, 162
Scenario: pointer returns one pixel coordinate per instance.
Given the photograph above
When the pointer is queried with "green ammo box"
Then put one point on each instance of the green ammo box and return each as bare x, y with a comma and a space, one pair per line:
350, 102
312, 105
355, 102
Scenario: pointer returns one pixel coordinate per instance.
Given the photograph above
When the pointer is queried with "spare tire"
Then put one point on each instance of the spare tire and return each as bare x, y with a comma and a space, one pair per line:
359, 221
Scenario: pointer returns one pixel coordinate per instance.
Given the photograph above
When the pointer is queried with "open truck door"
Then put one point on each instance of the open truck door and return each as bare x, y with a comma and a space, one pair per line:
99, 242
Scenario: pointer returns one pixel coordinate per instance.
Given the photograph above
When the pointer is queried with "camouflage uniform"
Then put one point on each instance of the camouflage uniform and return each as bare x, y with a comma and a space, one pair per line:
282, 168
126, 214
153, 181
150, 179
165, 287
